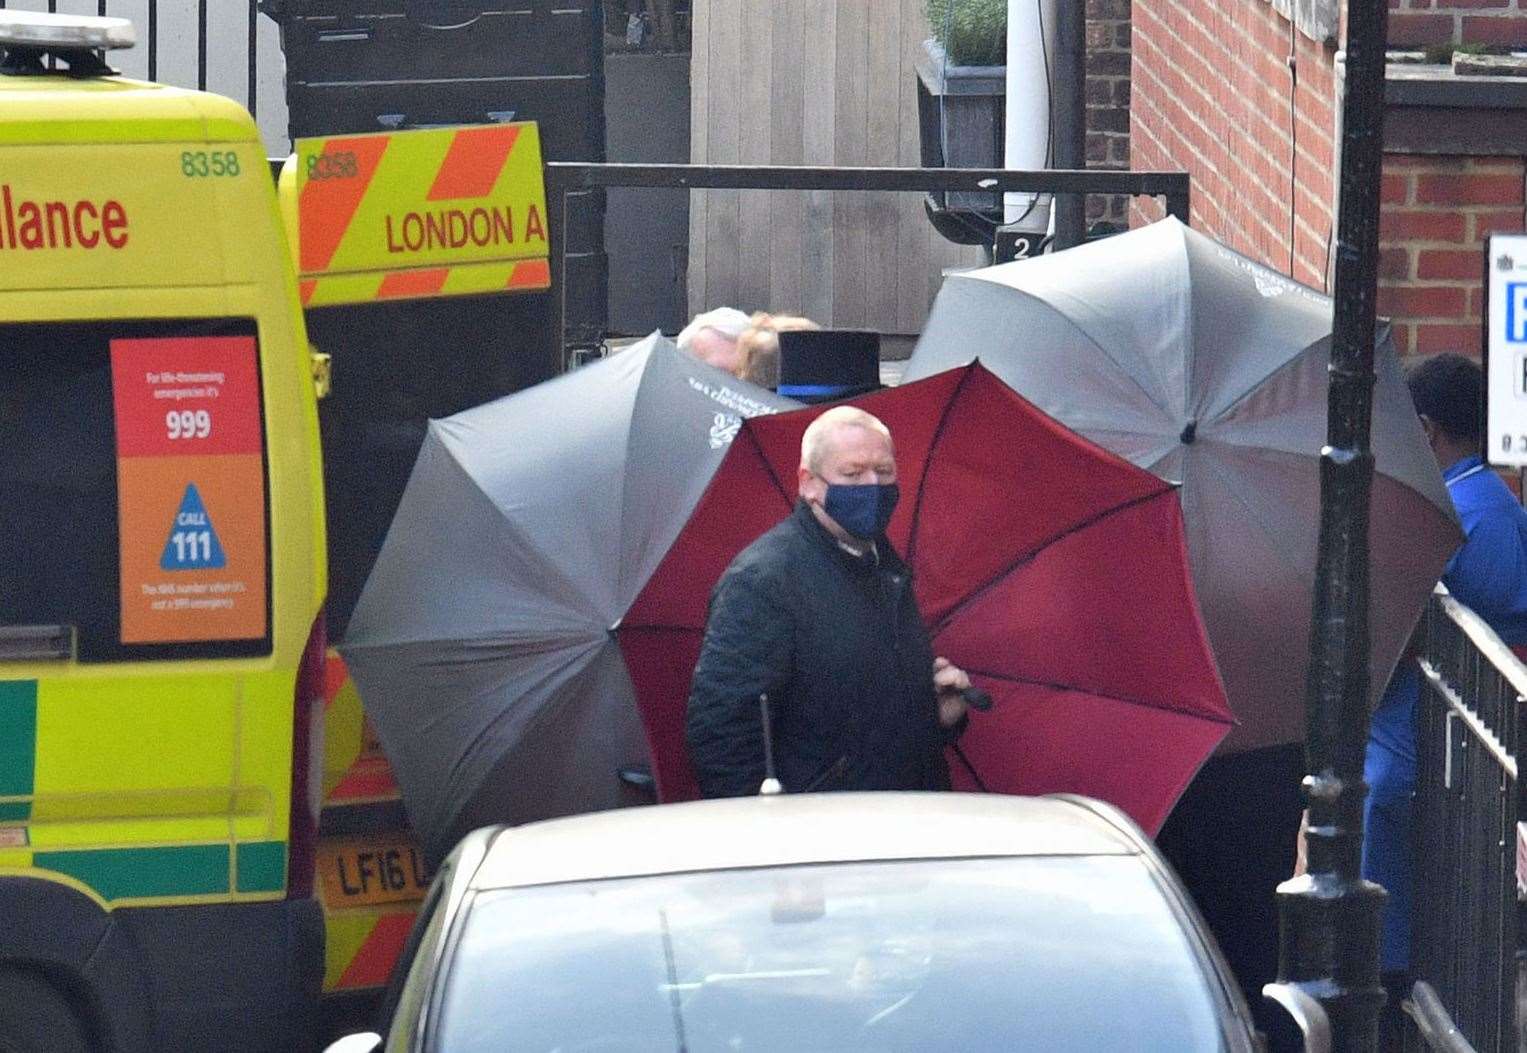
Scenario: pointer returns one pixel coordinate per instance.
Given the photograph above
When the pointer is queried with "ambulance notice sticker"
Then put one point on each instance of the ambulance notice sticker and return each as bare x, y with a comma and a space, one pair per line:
191, 489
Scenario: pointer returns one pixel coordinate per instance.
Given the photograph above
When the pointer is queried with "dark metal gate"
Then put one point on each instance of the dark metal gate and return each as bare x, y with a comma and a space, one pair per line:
248, 12
581, 314
1468, 809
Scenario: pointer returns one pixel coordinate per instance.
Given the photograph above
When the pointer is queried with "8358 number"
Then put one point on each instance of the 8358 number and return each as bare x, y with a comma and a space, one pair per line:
338, 165
195, 164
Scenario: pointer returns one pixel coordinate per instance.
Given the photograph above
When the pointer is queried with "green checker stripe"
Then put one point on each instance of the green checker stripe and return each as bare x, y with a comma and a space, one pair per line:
18, 746
262, 866
135, 873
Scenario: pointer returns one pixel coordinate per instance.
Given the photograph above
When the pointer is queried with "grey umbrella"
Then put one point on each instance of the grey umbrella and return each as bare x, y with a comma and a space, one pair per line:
1210, 370
482, 642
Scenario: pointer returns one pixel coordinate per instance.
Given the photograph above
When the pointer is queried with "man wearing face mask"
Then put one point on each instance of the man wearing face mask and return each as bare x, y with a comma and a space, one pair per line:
818, 615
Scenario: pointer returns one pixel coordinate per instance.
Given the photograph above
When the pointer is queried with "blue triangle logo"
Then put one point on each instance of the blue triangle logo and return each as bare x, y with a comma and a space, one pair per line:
193, 544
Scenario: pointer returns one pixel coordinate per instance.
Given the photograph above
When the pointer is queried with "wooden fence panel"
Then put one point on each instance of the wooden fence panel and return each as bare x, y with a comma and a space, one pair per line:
817, 82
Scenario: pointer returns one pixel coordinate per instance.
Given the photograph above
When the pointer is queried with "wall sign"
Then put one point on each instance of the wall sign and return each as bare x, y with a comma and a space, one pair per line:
190, 488
1506, 350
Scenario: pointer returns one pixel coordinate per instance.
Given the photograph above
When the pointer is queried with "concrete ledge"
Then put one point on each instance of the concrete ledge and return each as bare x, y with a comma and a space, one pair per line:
1316, 19
1431, 110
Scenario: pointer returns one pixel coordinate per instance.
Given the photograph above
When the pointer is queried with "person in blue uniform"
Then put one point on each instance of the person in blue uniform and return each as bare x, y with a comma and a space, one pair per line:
1488, 573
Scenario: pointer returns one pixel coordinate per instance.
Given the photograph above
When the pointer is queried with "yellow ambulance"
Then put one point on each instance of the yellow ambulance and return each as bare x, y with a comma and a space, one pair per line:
162, 567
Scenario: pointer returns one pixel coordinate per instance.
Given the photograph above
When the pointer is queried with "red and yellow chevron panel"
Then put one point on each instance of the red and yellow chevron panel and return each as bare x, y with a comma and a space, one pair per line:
370, 885
355, 770
363, 947
427, 213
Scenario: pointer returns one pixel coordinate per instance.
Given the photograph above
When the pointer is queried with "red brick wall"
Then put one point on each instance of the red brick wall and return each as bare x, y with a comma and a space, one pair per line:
1415, 22
1212, 93
1437, 213
1108, 45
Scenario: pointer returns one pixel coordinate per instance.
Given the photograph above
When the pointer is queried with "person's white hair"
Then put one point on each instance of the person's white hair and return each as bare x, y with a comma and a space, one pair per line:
728, 321
818, 433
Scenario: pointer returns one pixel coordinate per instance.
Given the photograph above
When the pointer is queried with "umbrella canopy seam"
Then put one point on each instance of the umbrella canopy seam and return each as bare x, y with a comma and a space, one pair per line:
582, 659
1189, 336
1003, 572
657, 627
452, 449
591, 620
1228, 483
1151, 400
987, 674
774, 478
1287, 365
497, 643
1312, 455
922, 483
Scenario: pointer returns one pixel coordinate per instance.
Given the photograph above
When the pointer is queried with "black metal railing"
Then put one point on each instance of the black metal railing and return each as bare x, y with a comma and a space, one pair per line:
248, 12
1468, 808
575, 188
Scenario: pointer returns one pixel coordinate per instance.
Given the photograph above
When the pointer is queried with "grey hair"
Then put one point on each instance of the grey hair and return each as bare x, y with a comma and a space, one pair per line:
814, 442
728, 321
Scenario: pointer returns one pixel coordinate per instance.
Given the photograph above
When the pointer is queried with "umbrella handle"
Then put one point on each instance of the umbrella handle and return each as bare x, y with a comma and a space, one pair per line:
977, 699
771, 785
970, 769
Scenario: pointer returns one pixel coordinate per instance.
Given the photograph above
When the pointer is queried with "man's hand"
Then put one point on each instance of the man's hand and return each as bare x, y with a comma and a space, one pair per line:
948, 682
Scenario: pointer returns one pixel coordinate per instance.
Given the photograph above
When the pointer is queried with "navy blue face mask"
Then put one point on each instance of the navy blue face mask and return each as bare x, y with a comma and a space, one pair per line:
863, 510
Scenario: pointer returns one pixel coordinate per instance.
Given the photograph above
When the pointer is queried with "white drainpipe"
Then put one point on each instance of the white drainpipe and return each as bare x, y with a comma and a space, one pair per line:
1030, 56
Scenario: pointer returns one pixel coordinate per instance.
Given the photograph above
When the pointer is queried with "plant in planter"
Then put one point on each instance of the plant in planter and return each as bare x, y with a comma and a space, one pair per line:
970, 32
961, 108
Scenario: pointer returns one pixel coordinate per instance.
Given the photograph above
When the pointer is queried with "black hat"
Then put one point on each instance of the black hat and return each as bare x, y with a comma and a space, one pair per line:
822, 365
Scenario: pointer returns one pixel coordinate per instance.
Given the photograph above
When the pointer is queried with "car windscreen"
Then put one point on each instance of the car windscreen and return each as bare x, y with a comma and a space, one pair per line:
1045, 953
133, 497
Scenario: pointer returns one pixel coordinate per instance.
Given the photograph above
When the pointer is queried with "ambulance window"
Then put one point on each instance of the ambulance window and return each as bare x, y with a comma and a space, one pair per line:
133, 490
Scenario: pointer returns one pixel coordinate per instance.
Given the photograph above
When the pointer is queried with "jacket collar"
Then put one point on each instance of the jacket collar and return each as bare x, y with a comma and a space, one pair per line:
888, 558
1463, 467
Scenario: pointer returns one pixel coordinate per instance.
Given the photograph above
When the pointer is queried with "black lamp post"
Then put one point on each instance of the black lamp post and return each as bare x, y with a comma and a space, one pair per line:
1329, 917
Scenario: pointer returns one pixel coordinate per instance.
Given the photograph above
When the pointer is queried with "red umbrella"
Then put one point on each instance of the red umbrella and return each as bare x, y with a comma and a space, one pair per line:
1051, 570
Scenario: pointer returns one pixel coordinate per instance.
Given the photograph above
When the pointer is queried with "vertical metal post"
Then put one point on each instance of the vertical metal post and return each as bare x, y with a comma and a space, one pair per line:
254, 65
1329, 917
1516, 904
556, 207
201, 45
1181, 206
153, 40
1069, 91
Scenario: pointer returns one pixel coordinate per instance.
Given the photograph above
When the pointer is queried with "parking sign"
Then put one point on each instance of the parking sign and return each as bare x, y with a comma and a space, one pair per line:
1506, 350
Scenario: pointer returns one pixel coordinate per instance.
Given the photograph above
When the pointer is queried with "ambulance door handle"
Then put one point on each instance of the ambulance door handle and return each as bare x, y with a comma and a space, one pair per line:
344, 36
323, 371
396, 122
36, 643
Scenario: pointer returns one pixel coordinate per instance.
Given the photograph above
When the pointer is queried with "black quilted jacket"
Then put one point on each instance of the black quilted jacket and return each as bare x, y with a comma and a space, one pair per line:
838, 644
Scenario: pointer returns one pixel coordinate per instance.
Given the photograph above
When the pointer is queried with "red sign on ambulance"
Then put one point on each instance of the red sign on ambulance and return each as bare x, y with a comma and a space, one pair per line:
191, 488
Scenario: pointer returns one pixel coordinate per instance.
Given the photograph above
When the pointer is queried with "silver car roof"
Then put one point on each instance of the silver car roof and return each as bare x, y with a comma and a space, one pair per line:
794, 829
